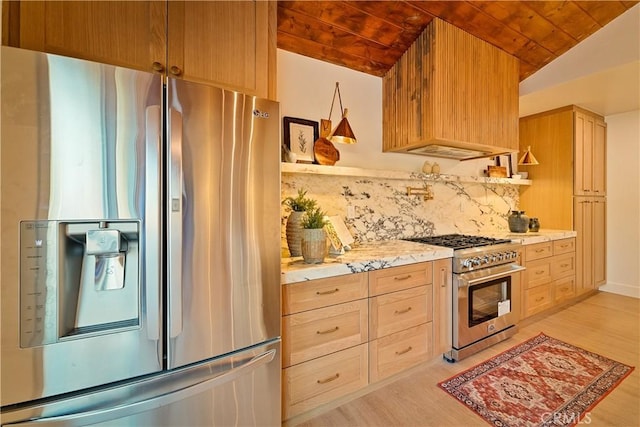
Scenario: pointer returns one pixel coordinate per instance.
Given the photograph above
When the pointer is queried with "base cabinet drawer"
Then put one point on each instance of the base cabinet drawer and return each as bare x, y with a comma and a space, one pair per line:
564, 289
315, 333
398, 278
563, 265
322, 380
537, 299
397, 352
390, 313
303, 296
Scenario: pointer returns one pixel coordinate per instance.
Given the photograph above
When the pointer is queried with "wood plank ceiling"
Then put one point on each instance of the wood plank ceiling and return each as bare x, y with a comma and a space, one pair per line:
370, 36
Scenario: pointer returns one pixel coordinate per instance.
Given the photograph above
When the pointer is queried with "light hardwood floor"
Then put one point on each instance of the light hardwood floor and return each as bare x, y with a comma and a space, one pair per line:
605, 323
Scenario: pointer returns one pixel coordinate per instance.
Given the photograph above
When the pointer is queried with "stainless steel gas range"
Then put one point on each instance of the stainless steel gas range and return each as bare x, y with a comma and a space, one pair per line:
486, 291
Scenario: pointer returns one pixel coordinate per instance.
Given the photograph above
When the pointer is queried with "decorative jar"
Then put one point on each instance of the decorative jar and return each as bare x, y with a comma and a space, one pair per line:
518, 222
534, 224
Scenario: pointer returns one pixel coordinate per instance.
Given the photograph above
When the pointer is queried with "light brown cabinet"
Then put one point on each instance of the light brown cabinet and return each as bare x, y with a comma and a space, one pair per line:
590, 155
341, 333
324, 340
570, 183
590, 213
225, 43
401, 312
451, 86
550, 275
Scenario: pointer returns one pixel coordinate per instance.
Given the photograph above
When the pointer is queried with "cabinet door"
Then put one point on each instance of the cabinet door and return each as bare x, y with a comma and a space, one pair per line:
225, 43
584, 134
584, 244
599, 209
125, 33
599, 172
442, 305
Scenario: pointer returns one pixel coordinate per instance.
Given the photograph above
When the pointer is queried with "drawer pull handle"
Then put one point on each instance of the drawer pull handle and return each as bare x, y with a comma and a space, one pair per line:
408, 276
564, 265
564, 246
539, 250
406, 310
406, 350
328, 380
540, 272
327, 331
329, 292
539, 299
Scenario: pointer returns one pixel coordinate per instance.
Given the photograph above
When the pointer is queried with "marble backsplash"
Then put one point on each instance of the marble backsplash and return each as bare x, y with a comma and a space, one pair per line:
382, 210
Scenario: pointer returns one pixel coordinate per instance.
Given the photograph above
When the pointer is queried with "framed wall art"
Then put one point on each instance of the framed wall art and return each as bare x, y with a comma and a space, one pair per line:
299, 136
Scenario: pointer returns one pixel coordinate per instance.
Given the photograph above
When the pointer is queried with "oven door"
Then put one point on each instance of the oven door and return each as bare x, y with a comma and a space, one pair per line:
487, 302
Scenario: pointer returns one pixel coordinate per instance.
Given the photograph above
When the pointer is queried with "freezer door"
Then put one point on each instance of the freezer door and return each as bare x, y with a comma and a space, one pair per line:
223, 207
242, 389
79, 187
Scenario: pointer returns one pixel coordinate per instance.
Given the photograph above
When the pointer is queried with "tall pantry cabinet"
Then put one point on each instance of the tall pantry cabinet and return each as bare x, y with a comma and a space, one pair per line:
569, 190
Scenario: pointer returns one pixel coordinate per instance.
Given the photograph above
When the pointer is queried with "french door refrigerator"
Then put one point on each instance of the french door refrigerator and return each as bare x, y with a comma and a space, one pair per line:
140, 261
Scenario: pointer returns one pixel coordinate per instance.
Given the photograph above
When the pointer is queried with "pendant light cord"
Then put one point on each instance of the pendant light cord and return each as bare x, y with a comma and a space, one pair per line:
337, 89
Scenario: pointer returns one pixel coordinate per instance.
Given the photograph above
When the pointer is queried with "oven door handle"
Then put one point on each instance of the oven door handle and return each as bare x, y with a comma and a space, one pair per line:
473, 278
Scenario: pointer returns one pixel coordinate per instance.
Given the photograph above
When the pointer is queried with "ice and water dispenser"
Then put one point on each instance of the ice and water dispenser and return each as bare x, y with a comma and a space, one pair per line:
78, 279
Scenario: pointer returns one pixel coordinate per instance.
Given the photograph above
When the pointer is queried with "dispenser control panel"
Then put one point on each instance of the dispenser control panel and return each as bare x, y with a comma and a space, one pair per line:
38, 308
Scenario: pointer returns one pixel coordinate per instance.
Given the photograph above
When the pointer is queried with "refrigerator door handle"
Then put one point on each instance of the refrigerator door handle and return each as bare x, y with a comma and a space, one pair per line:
152, 222
103, 415
175, 223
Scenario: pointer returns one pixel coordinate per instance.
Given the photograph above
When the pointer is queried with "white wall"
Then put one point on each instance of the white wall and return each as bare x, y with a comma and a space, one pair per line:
305, 90
623, 204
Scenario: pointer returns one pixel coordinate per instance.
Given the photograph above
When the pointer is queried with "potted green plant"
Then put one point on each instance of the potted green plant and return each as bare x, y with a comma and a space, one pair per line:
314, 239
298, 205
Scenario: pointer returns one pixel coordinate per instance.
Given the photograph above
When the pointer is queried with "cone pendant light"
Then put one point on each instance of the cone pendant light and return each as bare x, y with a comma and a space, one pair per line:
343, 132
528, 158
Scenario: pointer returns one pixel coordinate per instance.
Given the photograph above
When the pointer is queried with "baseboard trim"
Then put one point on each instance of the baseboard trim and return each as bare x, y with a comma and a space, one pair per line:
621, 289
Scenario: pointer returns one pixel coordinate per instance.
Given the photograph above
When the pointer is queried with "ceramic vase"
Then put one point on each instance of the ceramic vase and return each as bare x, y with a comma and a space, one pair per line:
314, 245
518, 222
294, 233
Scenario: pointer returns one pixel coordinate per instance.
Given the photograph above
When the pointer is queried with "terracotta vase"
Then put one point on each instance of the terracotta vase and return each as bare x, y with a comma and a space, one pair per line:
294, 233
314, 245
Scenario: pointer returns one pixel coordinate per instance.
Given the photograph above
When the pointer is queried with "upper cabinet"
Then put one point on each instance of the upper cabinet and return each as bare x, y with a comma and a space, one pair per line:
590, 145
454, 88
226, 43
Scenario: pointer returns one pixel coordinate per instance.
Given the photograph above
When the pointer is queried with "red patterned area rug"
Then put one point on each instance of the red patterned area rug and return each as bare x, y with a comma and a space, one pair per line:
541, 382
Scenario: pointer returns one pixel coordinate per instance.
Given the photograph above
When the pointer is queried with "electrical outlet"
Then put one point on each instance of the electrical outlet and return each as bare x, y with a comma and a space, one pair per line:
351, 212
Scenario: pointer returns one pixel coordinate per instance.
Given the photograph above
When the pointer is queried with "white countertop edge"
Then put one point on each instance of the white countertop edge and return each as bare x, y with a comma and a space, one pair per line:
295, 270
531, 237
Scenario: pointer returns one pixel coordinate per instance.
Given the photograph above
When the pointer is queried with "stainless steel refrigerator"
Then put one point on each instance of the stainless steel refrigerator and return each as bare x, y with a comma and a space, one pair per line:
140, 260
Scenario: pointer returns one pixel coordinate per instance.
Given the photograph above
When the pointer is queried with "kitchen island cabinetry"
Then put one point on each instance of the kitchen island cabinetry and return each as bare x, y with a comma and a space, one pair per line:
228, 44
550, 275
343, 332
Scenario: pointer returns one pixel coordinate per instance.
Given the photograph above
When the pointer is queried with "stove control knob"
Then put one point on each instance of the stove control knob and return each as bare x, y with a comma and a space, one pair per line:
476, 261
466, 263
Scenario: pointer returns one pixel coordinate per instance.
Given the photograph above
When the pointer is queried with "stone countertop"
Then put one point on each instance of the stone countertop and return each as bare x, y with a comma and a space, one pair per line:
363, 257
391, 253
530, 238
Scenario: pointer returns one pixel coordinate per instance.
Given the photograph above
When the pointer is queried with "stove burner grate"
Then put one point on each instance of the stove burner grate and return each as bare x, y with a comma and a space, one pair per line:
458, 241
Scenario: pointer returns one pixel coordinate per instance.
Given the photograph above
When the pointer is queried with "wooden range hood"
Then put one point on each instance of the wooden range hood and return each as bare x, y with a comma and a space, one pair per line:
451, 95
